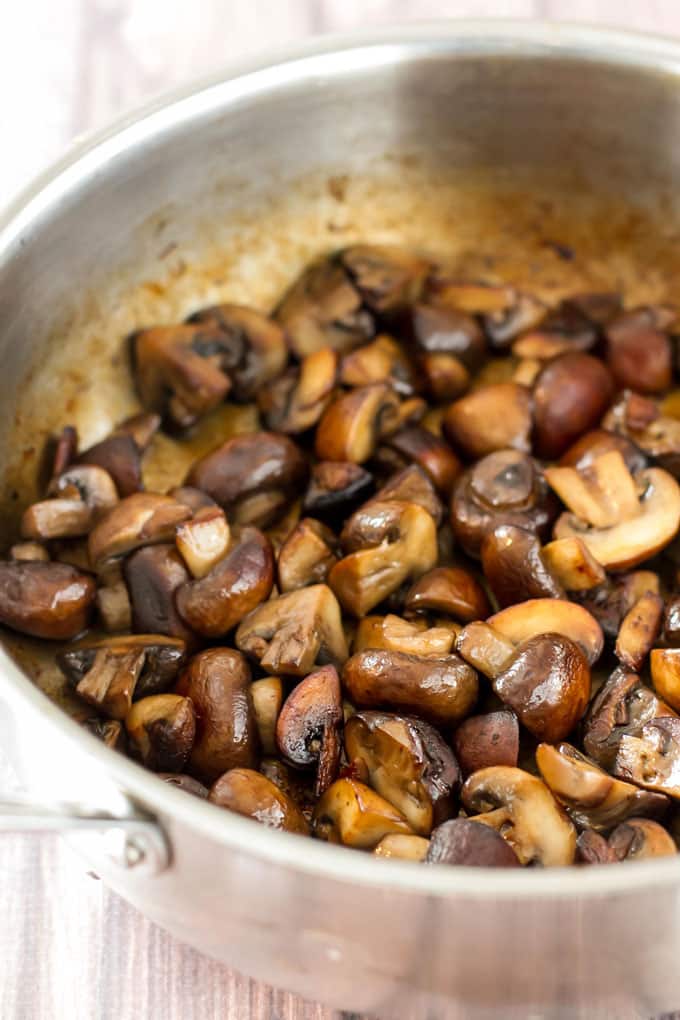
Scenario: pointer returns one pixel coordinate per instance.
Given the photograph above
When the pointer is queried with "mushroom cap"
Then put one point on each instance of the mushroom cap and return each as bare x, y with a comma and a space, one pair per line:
46, 600
251, 794
514, 567
639, 839
534, 617
355, 815
138, 520
465, 842
400, 846
308, 727
161, 729
449, 590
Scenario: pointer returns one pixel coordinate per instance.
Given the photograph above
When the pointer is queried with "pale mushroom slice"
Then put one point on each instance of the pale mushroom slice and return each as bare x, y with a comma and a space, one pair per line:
602, 494
203, 540
398, 635
572, 563
401, 847
652, 760
522, 808
556, 616
591, 796
353, 814
267, 698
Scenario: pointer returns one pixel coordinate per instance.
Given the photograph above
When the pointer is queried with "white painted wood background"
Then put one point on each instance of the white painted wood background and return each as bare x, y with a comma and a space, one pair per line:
69, 949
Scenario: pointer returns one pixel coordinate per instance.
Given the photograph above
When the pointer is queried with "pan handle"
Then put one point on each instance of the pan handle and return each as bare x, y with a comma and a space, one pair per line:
132, 842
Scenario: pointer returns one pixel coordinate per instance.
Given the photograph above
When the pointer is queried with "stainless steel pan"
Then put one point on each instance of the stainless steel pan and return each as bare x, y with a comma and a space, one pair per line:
492, 144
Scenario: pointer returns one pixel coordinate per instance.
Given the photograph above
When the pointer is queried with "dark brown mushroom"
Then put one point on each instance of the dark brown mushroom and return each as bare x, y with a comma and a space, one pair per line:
495, 417
639, 352
161, 731
46, 600
139, 520
639, 839
120, 454
445, 375
503, 325
153, 575
192, 498
412, 485
186, 783
570, 395
295, 401
307, 555
396, 635
251, 794
431, 453
355, 815
62, 450
352, 425
203, 541
452, 591
593, 848
218, 683
639, 630
671, 621
388, 278
308, 727
593, 444
652, 758
336, 488
463, 842
572, 565
536, 617
514, 567
295, 783
485, 740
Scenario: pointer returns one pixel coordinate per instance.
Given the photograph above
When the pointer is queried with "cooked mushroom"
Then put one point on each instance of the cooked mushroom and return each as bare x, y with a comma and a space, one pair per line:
639, 839
387, 543
440, 328
671, 621
251, 794
566, 328
161, 729
120, 455
453, 591
665, 669
503, 325
591, 796
307, 555
308, 727
114, 607
353, 814
267, 696
46, 600
570, 395
525, 812
514, 567
601, 495
203, 540
109, 731
29, 552
295, 783
491, 418
401, 847
639, 352
296, 401
652, 759
442, 689
236, 585
473, 296
63, 449
336, 488
192, 498
396, 635
465, 842
485, 648
593, 848
352, 425
445, 375
217, 682
382, 361
412, 485
153, 576
388, 278
139, 520
431, 453
592, 445
640, 628
77, 499
641, 421
186, 783
484, 740
295, 632
543, 616
252, 477
573, 565
408, 763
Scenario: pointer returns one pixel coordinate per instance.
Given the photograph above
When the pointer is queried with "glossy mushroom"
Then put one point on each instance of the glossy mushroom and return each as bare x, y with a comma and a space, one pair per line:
495, 417
251, 794
353, 814
570, 395
161, 731
153, 576
336, 488
139, 520
307, 555
463, 842
395, 634
46, 600
484, 740
309, 724
295, 402
514, 567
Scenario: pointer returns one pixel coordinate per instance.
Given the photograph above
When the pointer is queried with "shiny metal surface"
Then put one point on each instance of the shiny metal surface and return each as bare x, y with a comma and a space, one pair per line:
458, 137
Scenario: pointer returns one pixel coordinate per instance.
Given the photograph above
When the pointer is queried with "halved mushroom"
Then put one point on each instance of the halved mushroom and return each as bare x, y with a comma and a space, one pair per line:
671, 621
639, 352
570, 395
153, 576
639, 839
484, 740
355, 815
485, 648
396, 635
352, 425
296, 401
573, 565
521, 807
251, 794
120, 454
495, 417
445, 375
382, 361
139, 520
251, 348
601, 495
592, 445
431, 453
557, 616
387, 543
463, 842
203, 540
400, 847
441, 689
665, 670
408, 763
308, 727
412, 485
590, 795
217, 682
452, 591
161, 731
652, 759
566, 328
46, 600
336, 488
29, 552
252, 477
640, 628
114, 607
611, 601
66, 517
267, 695
295, 632
388, 278
236, 585
475, 297
307, 555
514, 567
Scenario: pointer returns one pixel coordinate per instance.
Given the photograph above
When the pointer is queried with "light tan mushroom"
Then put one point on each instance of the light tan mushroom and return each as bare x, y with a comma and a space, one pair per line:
397, 635
639, 839
141, 519
402, 848
574, 566
652, 759
491, 418
355, 815
485, 648
353, 424
665, 669
29, 552
601, 495
203, 540
296, 401
307, 555
381, 361
412, 485
115, 609
550, 616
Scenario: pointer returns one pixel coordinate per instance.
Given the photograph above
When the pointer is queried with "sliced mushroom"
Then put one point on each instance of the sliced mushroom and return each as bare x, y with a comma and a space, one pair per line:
251, 794
267, 695
296, 401
570, 395
235, 586
308, 727
396, 635
252, 477
665, 669
592, 445
153, 576
387, 543
336, 488
564, 329
186, 783
485, 648
491, 418
453, 591
382, 361
139, 520
77, 497
573, 565
352, 425
543, 616
601, 495
355, 815
474, 297
218, 683
591, 796
307, 555
295, 632
431, 453
161, 730
639, 352
652, 759
46, 600
514, 567
203, 541
463, 842
525, 812
640, 628
114, 607
412, 485
29, 552
485, 740
639, 839
402, 848
408, 763
441, 689
388, 278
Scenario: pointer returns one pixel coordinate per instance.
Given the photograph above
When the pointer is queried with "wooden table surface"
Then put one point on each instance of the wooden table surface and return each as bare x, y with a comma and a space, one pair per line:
69, 949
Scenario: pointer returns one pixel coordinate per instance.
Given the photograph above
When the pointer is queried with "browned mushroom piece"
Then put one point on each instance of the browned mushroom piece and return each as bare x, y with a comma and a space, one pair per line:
295, 783
565, 329
252, 477
203, 541
387, 543
352, 425
521, 807
121, 452
590, 795
46, 600
139, 520
355, 815
336, 488
556, 616
388, 278
78, 498
570, 395
295, 401
452, 591
412, 485
186, 783
431, 453
640, 628
450, 346
267, 697
484, 740
295, 632
514, 567
652, 758
308, 727
382, 361
639, 352
665, 670
161, 731
192, 498
153, 575
62, 450
494, 417
114, 607
593, 848
445, 375
463, 842
622, 707
485, 648
401, 847
236, 585
307, 555
610, 601
251, 348
639, 839
29, 552
397, 635
251, 794
503, 325
217, 681
593, 444
601, 495
441, 689
177, 371
408, 763
506, 487
476, 297
642, 421
110, 731
573, 565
